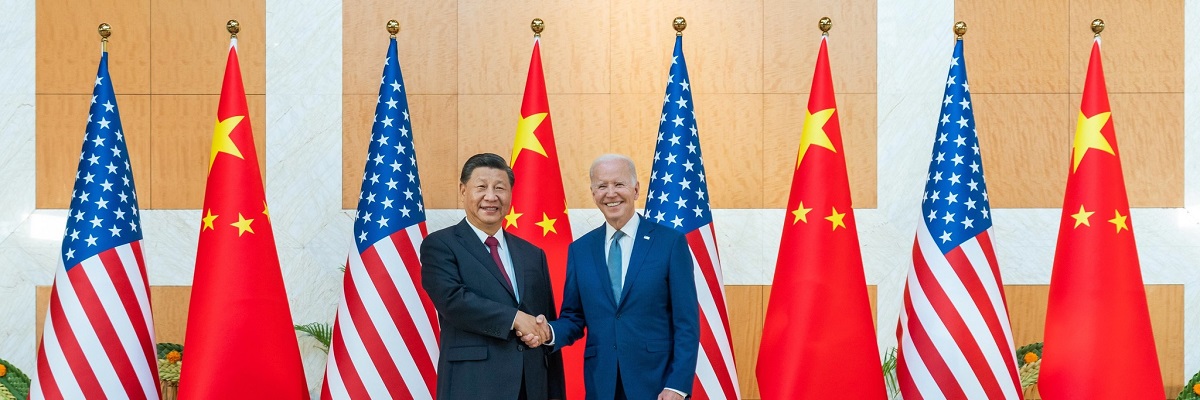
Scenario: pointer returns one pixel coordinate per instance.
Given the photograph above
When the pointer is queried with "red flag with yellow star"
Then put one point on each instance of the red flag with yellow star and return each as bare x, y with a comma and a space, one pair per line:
539, 207
819, 312
1097, 300
240, 341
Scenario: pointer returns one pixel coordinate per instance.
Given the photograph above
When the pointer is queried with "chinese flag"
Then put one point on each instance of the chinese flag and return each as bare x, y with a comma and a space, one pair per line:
818, 338
1097, 301
240, 341
539, 208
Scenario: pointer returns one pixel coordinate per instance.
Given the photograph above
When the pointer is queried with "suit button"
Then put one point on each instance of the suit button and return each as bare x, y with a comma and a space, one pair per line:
618, 316
614, 347
520, 348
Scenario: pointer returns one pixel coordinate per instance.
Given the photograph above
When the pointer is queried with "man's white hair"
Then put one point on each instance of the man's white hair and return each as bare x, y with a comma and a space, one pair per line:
614, 157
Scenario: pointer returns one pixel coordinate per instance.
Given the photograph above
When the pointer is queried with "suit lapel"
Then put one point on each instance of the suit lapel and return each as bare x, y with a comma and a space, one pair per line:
601, 263
642, 242
522, 258
469, 241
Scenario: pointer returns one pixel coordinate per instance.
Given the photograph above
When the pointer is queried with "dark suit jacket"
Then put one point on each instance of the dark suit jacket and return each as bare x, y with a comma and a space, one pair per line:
480, 356
652, 333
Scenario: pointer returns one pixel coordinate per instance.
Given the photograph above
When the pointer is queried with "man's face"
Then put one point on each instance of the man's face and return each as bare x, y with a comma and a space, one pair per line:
486, 197
614, 191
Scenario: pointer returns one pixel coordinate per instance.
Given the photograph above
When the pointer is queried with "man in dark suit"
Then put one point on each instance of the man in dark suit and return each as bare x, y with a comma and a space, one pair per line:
486, 284
630, 283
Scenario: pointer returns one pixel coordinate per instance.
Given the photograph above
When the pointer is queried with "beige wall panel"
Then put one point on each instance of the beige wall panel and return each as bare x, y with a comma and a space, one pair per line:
723, 45
168, 305
183, 129
486, 123
1025, 143
68, 46
1143, 44
494, 44
61, 121
783, 118
792, 40
1027, 312
1010, 51
581, 132
634, 122
427, 44
1149, 130
189, 45
435, 131
746, 306
575, 48
731, 128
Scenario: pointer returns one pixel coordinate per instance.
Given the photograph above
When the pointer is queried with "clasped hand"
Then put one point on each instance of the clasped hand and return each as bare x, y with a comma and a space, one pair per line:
534, 331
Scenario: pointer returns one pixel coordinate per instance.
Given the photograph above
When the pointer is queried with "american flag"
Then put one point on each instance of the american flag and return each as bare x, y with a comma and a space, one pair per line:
385, 335
98, 340
677, 197
955, 340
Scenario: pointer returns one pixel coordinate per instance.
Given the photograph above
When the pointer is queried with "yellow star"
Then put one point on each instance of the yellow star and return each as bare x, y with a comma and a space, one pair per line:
836, 219
266, 211
813, 133
801, 213
525, 137
1088, 136
221, 142
1119, 221
511, 218
1081, 218
208, 221
547, 224
243, 225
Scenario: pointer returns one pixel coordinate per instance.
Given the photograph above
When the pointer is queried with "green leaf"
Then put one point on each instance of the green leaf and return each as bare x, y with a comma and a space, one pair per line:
15, 381
322, 331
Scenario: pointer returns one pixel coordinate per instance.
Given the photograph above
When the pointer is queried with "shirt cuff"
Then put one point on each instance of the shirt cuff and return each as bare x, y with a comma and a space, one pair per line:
552, 335
676, 391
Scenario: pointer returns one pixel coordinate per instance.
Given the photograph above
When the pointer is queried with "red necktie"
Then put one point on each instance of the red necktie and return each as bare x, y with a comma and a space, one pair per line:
493, 247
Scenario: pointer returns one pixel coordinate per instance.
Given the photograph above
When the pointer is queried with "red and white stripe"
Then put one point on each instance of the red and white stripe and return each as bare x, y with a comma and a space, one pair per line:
98, 337
955, 336
716, 375
385, 335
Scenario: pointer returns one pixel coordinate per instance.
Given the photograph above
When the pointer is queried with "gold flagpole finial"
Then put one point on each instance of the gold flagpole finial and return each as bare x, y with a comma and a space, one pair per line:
680, 24
1097, 26
825, 24
537, 25
233, 27
105, 31
393, 27
960, 29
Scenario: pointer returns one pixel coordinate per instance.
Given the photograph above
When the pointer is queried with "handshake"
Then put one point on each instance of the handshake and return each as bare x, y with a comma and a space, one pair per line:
534, 331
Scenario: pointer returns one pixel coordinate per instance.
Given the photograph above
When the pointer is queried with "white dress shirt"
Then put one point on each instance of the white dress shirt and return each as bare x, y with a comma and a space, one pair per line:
504, 256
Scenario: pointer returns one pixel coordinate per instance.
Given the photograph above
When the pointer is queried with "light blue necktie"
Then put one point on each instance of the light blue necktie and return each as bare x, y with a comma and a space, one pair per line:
614, 265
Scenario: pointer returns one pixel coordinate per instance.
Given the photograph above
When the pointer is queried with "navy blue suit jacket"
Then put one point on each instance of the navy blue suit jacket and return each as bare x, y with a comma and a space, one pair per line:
652, 333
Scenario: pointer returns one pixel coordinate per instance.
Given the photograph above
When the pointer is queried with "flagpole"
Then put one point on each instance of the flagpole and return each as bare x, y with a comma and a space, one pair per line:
393, 27
960, 29
233, 27
825, 24
537, 25
680, 24
1097, 26
105, 31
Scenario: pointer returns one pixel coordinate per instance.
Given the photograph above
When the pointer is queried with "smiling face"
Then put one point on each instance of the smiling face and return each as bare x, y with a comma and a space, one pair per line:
486, 196
615, 189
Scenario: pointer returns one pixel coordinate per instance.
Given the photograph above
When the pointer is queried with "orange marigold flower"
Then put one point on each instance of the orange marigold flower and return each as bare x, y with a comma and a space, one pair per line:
1195, 389
1031, 357
173, 357
3, 370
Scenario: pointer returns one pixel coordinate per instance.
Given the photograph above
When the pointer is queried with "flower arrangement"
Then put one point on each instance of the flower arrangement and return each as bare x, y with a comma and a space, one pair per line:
1029, 363
170, 361
1191, 389
14, 384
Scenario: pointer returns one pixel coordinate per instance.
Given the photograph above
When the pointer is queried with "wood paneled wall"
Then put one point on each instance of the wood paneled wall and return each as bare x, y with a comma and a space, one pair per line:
606, 63
166, 59
1027, 64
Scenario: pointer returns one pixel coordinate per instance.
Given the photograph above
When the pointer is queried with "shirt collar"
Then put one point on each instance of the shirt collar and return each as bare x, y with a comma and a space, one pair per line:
630, 229
483, 235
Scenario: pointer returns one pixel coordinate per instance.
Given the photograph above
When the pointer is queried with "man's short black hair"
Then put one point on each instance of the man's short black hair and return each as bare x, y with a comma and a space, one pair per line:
487, 160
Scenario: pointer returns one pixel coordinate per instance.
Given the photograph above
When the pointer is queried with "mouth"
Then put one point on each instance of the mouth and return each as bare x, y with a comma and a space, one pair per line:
614, 203
490, 209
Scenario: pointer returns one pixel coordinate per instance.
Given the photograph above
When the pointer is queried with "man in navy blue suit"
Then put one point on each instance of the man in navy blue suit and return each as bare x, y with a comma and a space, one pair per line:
630, 283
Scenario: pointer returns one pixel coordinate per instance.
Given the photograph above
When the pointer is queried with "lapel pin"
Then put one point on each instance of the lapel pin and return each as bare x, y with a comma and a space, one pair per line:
646, 237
